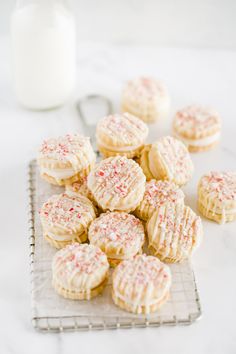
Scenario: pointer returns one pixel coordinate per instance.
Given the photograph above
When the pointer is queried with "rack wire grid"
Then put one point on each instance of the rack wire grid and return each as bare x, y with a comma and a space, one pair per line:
52, 313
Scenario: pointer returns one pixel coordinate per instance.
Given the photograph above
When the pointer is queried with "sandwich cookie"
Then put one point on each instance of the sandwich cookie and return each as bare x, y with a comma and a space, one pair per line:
146, 98
121, 134
66, 159
79, 272
198, 127
117, 184
158, 193
141, 285
167, 159
217, 196
120, 235
66, 218
174, 232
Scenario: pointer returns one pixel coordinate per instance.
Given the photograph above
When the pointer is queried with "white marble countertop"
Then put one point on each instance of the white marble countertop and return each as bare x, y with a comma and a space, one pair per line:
203, 76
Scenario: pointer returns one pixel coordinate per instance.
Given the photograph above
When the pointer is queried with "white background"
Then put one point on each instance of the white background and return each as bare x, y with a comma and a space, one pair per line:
201, 75
201, 23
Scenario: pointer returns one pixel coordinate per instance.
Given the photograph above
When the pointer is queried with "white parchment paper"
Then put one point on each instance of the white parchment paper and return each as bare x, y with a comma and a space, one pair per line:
181, 306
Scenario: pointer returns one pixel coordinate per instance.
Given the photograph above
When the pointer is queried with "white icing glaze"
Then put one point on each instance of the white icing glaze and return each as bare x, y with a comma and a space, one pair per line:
117, 183
73, 149
217, 193
135, 304
174, 231
147, 98
174, 157
142, 281
61, 237
121, 130
196, 120
58, 174
80, 267
64, 214
120, 235
220, 185
145, 87
158, 193
116, 148
199, 142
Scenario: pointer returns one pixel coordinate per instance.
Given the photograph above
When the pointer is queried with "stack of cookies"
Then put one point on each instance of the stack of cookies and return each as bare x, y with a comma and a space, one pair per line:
131, 197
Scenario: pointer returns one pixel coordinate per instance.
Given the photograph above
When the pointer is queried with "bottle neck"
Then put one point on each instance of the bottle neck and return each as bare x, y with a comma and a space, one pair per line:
43, 3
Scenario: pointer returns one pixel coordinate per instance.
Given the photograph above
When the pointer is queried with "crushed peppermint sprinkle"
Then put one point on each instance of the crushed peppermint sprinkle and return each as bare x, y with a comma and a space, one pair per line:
145, 87
196, 119
141, 271
159, 192
65, 210
221, 184
116, 176
124, 128
175, 155
65, 147
117, 228
180, 225
83, 258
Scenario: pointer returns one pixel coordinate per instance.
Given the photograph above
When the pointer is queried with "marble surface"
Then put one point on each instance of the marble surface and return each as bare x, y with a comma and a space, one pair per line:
202, 76
189, 23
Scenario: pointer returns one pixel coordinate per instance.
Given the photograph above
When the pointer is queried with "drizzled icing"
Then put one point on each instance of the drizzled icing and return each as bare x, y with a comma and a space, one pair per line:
142, 280
124, 129
196, 120
145, 87
117, 232
174, 157
115, 179
220, 185
160, 192
174, 231
80, 266
74, 149
67, 212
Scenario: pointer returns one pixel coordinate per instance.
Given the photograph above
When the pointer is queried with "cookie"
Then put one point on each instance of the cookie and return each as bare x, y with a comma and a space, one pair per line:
121, 134
169, 159
198, 127
117, 184
120, 235
79, 187
217, 196
158, 193
66, 218
141, 285
144, 162
174, 232
146, 98
79, 272
65, 159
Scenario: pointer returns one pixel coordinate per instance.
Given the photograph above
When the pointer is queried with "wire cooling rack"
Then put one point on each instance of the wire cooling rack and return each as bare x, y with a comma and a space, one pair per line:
52, 313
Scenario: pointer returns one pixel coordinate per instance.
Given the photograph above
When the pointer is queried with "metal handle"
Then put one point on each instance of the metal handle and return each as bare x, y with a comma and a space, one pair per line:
92, 97
89, 129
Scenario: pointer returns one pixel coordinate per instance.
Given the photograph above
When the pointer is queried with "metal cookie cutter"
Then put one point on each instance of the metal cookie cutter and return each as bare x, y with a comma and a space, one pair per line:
90, 128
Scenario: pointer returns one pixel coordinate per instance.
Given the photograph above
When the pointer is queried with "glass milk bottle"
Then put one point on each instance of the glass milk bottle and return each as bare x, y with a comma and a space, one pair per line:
44, 52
